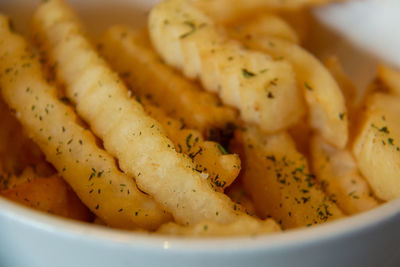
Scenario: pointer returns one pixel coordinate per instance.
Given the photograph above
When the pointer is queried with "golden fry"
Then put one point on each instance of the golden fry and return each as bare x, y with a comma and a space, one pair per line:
17, 151
376, 147
73, 151
9, 181
138, 141
327, 110
301, 133
129, 52
264, 90
338, 174
49, 194
278, 179
390, 78
223, 11
212, 229
264, 25
238, 195
210, 158
349, 90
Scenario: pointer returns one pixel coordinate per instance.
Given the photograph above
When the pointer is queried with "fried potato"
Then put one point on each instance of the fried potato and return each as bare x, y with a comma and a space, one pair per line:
338, 174
376, 147
390, 78
8, 180
238, 195
212, 229
327, 110
300, 20
278, 179
264, 90
51, 195
210, 158
17, 151
300, 134
137, 140
349, 90
89, 170
129, 52
264, 25
223, 11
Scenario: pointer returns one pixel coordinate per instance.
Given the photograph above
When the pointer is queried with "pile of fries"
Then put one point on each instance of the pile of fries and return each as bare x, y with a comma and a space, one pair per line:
204, 123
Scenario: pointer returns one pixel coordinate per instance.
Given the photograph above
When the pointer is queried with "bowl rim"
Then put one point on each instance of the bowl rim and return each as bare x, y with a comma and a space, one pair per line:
86, 232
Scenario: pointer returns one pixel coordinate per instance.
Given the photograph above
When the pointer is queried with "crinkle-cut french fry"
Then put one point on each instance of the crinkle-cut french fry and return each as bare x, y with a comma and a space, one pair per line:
212, 229
301, 133
338, 174
223, 11
265, 24
264, 90
300, 20
9, 181
377, 145
129, 52
277, 178
237, 193
90, 171
327, 109
49, 194
17, 151
349, 90
210, 158
390, 78
137, 140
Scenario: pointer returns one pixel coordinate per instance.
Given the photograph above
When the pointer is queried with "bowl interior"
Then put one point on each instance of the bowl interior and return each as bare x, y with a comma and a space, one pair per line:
134, 13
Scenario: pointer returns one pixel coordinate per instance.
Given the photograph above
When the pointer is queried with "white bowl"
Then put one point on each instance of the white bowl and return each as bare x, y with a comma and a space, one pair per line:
30, 238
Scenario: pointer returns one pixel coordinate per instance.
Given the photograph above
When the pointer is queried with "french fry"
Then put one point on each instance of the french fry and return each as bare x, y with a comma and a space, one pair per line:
327, 110
90, 171
390, 78
212, 229
278, 179
300, 134
349, 90
237, 193
300, 20
9, 181
338, 174
376, 147
17, 151
129, 52
138, 141
264, 25
264, 90
51, 195
210, 158
223, 11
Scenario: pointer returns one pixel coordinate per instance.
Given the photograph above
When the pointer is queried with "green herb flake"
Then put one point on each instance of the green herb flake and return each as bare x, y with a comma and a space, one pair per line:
247, 74
222, 149
192, 27
384, 129
308, 87
188, 141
